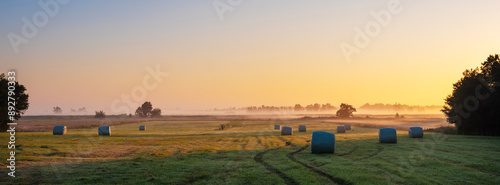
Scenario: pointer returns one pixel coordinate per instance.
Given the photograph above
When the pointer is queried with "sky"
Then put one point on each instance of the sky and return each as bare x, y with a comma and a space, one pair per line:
196, 55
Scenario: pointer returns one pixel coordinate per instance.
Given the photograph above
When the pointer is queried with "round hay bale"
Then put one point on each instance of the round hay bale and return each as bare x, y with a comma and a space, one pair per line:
104, 131
142, 127
416, 132
286, 131
340, 129
347, 126
302, 128
322, 142
59, 130
387, 135
277, 127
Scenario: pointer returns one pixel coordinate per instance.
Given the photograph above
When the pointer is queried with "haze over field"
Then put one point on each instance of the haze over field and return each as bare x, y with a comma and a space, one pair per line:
105, 55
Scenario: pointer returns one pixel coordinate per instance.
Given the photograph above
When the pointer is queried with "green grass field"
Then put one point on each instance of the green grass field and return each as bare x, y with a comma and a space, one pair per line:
251, 152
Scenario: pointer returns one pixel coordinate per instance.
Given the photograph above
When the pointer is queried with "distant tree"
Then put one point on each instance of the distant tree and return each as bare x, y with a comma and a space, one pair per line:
397, 106
156, 112
144, 110
327, 107
138, 112
474, 104
57, 110
345, 111
313, 107
100, 114
298, 107
397, 115
316, 107
20, 99
83, 109
130, 115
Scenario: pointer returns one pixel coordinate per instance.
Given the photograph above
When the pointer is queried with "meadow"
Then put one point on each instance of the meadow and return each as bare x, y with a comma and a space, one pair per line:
250, 152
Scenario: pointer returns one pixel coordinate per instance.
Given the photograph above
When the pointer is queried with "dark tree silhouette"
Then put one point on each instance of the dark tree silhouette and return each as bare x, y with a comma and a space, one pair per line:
100, 114
144, 110
156, 112
474, 104
20, 98
57, 110
345, 111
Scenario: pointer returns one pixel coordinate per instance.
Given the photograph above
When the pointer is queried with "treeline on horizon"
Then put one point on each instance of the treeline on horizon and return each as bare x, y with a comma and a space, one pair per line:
397, 107
328, 107
297, 108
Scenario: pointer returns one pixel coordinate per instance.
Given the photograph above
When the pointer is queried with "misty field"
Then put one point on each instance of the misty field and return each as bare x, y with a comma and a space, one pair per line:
250, 152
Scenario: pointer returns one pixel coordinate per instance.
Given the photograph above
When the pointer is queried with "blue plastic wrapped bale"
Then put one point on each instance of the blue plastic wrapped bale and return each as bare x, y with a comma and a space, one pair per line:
387, 135
277, 127
59, 130
347, 126
142, 127
416, 132
340, 129
322, 142
302, 128
104, 131
286, 131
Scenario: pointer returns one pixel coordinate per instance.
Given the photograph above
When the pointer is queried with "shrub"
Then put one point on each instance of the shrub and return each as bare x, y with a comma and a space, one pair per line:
444, 130
100, 114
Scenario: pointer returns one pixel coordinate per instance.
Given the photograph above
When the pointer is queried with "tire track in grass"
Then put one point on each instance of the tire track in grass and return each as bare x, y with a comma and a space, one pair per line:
349, 152
379, 149
356, 147
259, 159
310, 168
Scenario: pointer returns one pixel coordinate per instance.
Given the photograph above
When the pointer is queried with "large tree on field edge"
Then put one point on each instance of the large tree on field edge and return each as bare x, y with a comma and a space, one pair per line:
20, 99
345, 111
474, 104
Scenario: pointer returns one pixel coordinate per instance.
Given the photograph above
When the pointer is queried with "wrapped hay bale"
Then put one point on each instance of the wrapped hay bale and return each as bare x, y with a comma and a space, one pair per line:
277, 127
302, 128
416, 132
142, 127
286, 131
340, 129
322, 142
104, 131
387, 135
59, 130
347, 126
